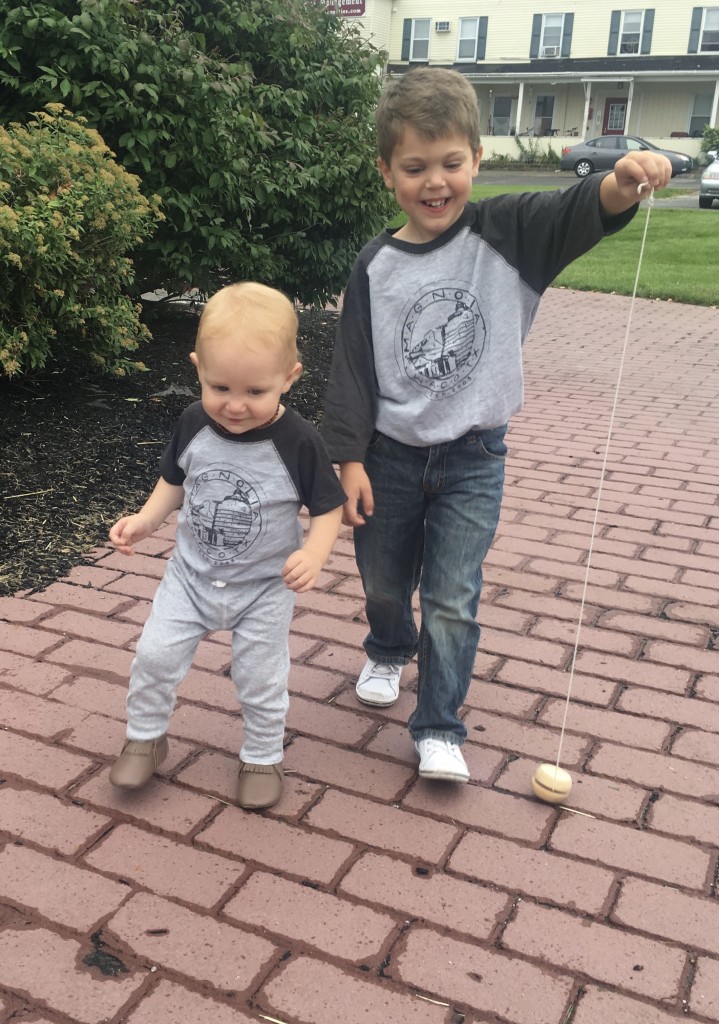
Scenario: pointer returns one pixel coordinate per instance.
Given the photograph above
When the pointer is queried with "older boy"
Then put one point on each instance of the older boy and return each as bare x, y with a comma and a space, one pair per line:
426, 372
239, 465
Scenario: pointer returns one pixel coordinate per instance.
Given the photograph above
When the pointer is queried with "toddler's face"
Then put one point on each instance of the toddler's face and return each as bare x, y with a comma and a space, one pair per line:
242, 384
432, 181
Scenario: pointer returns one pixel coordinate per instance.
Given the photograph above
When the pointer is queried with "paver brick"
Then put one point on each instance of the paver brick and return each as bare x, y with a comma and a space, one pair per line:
630, 849
91, 576
64, 984
96, 695
70, 895
379, 825
482, 808
705, 991
670, 708
599, 1006
316, 992
277, 845
27, 713
591, 637
160, 804
86, 598
607, 799
329, 923
229, 958
26, 639
643, 673
83, 656
13, 609
484, 979
524, 738
696, 745
46, 821
697, 821
629, 730
661, 910
131, 585
537, 678
181, 872
168, 1003
92, 627
536, 873
327, 722
656, 771
571, 943
38, 762
372, 776
430, 896
30, 675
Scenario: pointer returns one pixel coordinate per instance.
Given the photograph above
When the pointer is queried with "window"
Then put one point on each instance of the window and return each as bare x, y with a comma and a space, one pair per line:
605, 143
543, 115
551, 35
710, 31
701, 113
631, 31
616, 114
419, 44
467, 46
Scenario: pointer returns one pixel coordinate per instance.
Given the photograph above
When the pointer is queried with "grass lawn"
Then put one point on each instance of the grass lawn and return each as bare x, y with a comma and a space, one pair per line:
679, 262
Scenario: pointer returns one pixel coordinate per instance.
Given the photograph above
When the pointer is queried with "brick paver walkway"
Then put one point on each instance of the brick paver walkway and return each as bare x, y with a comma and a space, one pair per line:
367, 896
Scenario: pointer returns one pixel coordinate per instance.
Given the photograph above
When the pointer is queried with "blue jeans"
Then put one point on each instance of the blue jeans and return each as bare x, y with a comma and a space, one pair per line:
436, 513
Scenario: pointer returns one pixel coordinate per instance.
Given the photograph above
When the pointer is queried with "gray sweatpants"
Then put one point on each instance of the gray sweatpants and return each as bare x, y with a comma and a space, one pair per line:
186, 607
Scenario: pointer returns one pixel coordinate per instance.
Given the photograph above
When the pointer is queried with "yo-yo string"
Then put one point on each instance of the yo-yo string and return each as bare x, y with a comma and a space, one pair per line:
650, 204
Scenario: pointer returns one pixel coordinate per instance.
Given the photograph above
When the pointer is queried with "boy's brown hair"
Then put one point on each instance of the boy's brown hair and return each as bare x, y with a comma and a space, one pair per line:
249, 308
434, 101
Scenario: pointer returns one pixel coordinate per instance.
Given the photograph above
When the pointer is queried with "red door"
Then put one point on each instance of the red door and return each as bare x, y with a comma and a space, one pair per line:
615, 115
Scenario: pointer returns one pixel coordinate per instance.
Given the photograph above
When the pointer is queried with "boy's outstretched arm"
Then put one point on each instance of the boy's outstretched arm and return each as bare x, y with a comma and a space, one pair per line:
131, 529
618, 191
302, 568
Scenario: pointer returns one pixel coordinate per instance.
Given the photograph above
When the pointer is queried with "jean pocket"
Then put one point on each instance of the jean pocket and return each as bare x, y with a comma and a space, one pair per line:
489, 443
374, 441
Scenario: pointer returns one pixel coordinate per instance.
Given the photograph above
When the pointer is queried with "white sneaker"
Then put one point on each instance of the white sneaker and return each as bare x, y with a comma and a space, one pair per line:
441, 759
378, 684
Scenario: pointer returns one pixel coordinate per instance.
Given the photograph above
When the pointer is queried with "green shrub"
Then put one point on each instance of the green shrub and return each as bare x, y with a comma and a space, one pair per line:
710, 141
68, 217
251, 119
532, 152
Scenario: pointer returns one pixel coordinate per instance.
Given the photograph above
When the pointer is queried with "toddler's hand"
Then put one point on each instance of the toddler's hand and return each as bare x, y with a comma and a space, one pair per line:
301, 570
128, 531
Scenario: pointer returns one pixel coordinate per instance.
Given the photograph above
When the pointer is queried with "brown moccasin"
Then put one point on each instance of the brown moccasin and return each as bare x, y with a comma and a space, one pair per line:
259, 785
138, 762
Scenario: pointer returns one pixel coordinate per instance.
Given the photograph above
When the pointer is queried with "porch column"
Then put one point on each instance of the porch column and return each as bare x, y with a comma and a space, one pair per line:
520, 102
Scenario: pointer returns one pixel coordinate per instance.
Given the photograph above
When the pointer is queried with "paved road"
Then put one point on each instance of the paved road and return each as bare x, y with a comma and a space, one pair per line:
368, 895
560, 179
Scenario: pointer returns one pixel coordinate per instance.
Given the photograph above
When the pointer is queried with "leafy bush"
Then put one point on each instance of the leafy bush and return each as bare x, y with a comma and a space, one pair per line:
68, 217
710, 141
532, 152
251, 119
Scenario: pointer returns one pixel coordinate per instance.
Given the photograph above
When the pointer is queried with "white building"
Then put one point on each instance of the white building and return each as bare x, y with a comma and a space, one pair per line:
577, 68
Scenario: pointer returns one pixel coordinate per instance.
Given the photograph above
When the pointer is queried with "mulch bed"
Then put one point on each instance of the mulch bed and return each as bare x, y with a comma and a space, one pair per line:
79, 450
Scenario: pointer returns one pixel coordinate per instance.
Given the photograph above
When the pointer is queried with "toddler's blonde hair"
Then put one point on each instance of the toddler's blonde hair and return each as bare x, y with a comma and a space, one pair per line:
255, 311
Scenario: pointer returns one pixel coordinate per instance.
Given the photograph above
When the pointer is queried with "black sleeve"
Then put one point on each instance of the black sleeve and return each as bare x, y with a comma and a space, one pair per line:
192, 420
351, 405
541, 233
305, 456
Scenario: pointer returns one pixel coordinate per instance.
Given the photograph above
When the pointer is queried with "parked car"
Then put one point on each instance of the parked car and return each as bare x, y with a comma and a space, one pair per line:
709, 184
601, 154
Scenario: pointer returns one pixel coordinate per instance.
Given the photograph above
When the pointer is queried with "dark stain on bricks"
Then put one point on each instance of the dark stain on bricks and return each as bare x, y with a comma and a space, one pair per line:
105, 962
421, 871
638, 967
157, 931
310, 885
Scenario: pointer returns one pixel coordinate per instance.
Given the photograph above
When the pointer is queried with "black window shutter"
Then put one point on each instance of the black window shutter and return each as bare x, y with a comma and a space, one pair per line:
695, 29
406, 38
647, 31
567, 34
613, 44
536, 35
482, 37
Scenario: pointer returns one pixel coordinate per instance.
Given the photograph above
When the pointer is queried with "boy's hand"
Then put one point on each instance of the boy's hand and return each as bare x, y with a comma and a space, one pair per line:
358, 489
641, 167
130, 530
618, 191
302, 569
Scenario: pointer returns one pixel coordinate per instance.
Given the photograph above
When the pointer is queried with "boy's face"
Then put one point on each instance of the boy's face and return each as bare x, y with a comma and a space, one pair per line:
242, 384
432, 181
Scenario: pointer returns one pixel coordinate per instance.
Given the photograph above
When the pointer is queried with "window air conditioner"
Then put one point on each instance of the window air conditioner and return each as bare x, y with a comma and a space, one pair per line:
550, 51
441, 26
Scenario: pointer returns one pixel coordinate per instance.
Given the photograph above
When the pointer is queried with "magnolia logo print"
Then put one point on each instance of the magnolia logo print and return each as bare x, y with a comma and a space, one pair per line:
441, 338
224, 515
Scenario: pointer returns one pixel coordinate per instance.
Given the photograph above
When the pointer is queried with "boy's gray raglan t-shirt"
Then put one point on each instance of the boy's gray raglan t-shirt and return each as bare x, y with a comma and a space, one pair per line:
429, 344
243, 492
